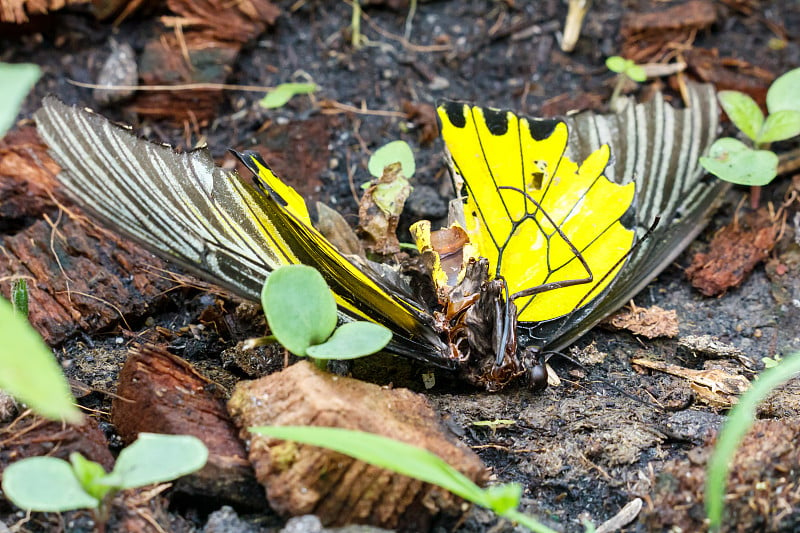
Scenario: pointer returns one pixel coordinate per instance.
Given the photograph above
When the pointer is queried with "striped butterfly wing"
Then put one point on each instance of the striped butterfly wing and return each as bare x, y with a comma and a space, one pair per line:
215, 224
658, 147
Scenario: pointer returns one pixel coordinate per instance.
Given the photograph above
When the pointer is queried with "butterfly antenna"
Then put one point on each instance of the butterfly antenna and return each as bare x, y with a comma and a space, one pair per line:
637, 243
589, 371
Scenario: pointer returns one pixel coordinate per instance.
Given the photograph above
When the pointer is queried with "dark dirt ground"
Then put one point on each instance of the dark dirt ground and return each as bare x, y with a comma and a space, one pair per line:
582, 450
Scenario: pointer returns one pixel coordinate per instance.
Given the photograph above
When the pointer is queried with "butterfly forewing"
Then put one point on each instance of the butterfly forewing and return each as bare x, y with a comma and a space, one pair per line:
180, 205
211, 221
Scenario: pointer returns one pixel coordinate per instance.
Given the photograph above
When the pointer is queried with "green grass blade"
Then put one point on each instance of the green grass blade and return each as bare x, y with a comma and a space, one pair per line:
402, 458
733, 431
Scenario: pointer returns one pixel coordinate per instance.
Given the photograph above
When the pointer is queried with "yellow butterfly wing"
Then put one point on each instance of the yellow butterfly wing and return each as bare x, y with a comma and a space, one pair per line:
214, 223
533, 212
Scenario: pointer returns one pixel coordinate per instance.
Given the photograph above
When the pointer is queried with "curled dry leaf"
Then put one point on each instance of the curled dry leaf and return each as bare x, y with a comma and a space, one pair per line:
649, 322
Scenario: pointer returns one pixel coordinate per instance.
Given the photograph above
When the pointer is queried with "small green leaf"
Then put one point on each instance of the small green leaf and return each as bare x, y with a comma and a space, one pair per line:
504, 498
779, 126
636, 73
45, 484
733, 161
19, 297
782, 94
391, 197
155, 458
393, 152
16, 80
352, 340
28, 370
88, 473
743, 112
616, 64
284, 92
300, 308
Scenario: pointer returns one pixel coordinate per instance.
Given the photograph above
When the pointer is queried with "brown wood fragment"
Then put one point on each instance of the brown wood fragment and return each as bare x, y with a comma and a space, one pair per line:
730, 73
651, 37
648, 322
733, 253
79, 275
304, 479
207, 38
32, 436
161, 393
20, 11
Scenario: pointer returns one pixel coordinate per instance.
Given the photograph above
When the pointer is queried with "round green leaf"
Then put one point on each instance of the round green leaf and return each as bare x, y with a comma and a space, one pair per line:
782, 94
16, 80
45, 484
155, 458
616, 64
743, 112
779, 126
733, 161
352, 340
284, 92
393, 152
28, 370
636, 73
299, 306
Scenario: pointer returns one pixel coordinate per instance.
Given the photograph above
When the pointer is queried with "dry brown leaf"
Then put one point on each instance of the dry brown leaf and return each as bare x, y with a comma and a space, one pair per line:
649, 322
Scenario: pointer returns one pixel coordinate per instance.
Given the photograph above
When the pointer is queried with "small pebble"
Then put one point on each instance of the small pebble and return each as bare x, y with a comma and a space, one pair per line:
119, 69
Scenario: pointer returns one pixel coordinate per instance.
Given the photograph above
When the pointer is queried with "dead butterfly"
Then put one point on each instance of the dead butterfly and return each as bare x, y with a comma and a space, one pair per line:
547, 241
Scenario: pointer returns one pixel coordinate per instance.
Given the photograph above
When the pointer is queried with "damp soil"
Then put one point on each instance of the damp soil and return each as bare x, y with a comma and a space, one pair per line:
611, 431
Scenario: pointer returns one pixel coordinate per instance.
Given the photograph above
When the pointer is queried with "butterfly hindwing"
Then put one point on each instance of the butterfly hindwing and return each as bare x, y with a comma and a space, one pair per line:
532, 211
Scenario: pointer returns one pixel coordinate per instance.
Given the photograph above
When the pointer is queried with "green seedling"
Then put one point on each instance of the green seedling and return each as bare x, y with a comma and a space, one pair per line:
355, 24
393, 152
770, 362
19, 297
284, 92
733, 431
48, 484
409, 461
626, 70
28, 370
301, 314
16, 80
755, 164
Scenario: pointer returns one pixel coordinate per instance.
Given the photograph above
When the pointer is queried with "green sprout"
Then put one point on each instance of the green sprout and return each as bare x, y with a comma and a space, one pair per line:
28, 370
755, 164
301, 314
410, 461
734, 429
17, 80
49, 484
393, 152
19, 297
284, 92
626, 70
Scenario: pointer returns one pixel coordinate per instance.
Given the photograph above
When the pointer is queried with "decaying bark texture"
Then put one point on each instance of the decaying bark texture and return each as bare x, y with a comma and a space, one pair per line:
20, 11
32, 436
303, 479
161, 393
79, 276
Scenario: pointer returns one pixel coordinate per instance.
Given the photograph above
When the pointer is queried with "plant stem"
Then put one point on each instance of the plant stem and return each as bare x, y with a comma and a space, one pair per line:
612, 104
